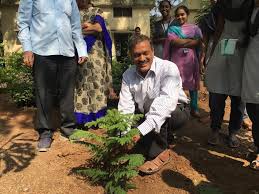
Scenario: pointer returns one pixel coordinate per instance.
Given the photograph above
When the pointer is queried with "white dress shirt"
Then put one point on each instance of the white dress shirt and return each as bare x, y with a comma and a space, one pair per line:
156, 95
51, 27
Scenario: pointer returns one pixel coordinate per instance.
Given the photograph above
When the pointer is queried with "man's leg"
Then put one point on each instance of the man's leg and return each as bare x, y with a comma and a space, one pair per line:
155, 149
66, 77
44, 71
217, 110
178, 118
236, 118
156, 144
253, 112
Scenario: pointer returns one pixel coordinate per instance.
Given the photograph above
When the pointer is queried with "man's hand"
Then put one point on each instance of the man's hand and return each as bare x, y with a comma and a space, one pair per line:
28, 58
136, 138
81, 60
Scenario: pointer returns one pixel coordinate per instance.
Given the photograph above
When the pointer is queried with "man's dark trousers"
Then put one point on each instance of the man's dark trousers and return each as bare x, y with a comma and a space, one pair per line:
154, 143
54, 77
253, 112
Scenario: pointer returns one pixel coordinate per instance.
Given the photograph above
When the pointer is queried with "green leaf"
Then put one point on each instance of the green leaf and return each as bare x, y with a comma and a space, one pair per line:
95, 175
81, 134
130, 186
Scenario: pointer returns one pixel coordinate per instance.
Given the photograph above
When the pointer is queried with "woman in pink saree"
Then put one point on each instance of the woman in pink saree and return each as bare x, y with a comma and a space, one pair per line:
183, 48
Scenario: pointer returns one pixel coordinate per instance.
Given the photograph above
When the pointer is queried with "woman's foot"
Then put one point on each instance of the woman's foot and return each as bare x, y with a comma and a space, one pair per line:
255, 163
247, 124
233, 141
195, 113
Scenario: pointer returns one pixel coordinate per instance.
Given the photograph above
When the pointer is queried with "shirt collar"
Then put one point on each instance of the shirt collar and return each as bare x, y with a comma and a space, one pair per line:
152, 69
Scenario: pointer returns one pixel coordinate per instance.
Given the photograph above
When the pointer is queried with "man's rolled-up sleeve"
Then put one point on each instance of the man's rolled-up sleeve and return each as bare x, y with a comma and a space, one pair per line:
77, 35
24, 22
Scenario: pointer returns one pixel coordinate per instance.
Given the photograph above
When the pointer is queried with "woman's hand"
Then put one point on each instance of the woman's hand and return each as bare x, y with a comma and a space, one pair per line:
85, 25
90, 28
112, 94
185, 43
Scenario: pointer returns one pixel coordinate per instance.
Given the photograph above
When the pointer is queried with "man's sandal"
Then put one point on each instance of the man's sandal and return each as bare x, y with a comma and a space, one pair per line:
153, 166
255, 165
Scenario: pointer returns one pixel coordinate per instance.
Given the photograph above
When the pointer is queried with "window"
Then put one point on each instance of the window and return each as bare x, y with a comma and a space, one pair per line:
122, 12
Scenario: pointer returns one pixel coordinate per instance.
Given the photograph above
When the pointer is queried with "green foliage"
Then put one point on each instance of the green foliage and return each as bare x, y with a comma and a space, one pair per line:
118, 68
205, 9
111, 164
18, 79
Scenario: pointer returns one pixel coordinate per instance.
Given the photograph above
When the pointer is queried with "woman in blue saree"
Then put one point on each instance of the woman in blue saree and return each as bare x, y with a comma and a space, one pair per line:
94, 78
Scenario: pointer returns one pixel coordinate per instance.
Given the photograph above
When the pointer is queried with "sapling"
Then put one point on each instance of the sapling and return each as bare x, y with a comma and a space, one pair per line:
111, 164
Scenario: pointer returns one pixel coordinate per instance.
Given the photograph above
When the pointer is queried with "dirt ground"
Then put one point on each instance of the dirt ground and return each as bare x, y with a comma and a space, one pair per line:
196, 167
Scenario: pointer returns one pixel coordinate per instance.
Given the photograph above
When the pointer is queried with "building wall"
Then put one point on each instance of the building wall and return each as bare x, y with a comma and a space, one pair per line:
8, 27
140, 18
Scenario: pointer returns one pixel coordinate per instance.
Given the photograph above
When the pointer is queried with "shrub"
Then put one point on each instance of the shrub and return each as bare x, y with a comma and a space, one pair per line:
111, 164
18, 79
118, 68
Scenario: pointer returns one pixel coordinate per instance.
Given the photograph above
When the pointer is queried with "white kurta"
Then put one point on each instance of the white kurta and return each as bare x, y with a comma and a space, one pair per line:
224, 72
250, 83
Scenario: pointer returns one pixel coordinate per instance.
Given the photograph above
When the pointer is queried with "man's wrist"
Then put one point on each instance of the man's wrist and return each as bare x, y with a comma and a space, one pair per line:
145, 127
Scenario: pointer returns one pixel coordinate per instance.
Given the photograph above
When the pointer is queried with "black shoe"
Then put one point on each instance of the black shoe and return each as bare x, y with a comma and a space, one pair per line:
45, 141
66, 132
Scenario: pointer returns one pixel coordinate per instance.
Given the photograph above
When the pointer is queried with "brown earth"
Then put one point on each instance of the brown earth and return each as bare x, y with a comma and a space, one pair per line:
195, 168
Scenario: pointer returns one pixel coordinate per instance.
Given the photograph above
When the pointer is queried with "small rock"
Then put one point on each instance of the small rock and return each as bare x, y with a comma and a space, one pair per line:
186, 139
25, 189
2, 155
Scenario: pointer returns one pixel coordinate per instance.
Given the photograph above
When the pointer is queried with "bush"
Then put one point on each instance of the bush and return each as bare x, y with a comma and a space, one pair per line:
18, 79
111, 165
118, 68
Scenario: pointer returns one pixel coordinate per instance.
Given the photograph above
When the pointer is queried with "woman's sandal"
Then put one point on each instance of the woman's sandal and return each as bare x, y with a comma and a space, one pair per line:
153, 166
233, 141
254, 165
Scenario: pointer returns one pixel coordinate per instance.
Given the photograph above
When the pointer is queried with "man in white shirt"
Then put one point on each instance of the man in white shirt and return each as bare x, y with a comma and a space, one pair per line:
154, 86
49, 32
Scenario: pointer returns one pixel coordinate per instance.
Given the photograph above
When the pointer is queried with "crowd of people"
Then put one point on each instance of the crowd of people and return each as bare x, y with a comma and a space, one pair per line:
165, 68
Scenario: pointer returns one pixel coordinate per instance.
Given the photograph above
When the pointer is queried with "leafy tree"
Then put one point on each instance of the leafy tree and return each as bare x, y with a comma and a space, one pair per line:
18, 79
111, 165
205, 9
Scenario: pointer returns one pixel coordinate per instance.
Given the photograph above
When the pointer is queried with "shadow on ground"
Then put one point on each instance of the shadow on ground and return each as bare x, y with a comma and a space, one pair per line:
225, 169
16, 154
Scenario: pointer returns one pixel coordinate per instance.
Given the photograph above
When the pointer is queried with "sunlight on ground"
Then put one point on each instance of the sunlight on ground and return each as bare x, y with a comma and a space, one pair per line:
222, 155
